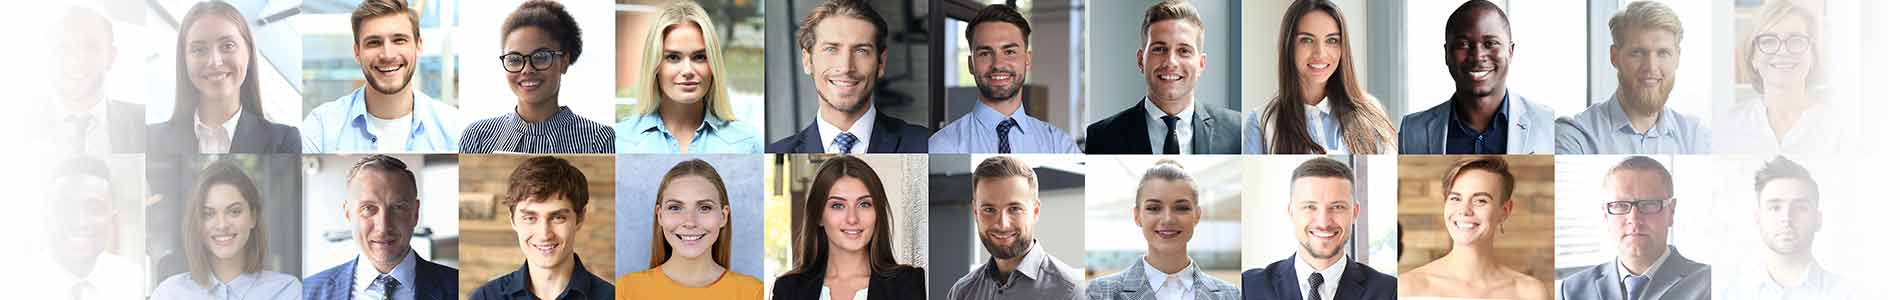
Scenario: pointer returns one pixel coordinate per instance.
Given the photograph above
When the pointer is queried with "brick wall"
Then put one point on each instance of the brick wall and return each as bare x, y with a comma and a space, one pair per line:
1525, 245
489, 246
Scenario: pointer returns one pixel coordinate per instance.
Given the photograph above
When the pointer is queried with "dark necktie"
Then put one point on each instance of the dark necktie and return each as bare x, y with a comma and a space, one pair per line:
1170, 144
844, 141
1002, 135
1633, 286
76, 127
389, 286
1315, 281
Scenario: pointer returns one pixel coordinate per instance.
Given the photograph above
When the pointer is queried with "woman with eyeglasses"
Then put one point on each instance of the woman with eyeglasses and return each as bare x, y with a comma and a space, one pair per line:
692, 242
217, 108
684, 105
1787, 113
540, 40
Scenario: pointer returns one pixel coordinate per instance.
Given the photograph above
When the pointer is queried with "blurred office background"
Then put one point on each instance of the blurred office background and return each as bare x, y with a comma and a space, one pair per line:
1267, 231
276, 40
329, 61
1115, 242
903, 92
328, 238
959, 251
1053, 85
740, 26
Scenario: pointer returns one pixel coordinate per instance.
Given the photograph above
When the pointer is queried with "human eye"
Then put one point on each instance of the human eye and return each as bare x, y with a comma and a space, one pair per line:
672, 57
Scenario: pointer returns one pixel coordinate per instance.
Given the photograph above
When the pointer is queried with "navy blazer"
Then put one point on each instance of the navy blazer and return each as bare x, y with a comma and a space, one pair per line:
434, 282
906, 282
253, 135
1216, 131
1280, 281
888, 135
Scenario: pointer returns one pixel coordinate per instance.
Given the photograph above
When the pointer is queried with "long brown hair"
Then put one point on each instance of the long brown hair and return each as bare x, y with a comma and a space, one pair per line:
812, 247
185, 104
198, 256
722, 248
1363, 122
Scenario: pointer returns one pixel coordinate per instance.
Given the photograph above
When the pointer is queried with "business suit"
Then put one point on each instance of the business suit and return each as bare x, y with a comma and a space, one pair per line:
906, 282
1280, 281
1531, 130
1216, 131
1677, 278
124, 125
1132, 284
253, 135
888, 135
433, 281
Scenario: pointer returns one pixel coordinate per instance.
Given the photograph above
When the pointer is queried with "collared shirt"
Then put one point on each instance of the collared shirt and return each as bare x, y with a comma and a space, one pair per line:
648, 134
1623, 271
1323, 127
562, 132
976, 133
1815, 283
112, 277
91, 125
1158, 128
1605, 129
260, 285
405, 272
1461, 139
1327, 288
343, 126
1177, 286
860, 129
1037, 276
1824, 128
518, 285
215, 139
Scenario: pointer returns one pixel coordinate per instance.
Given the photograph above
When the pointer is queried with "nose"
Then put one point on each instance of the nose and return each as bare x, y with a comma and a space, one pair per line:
217, 59
851, 218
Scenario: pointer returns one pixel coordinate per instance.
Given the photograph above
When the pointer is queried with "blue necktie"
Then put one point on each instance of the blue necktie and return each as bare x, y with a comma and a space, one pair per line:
1002, 135
1633, 286
844, 141
1170, 144
1315, 281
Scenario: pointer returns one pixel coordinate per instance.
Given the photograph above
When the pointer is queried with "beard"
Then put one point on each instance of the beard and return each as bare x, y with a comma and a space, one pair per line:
1649, 99
382, 87
1002, 93
1011, 251
855, 105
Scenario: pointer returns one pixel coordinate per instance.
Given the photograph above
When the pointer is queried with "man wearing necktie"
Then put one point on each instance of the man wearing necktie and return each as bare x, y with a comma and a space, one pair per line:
1638, 210
999, 60
382, 210
1322, 208
843, 45
1169, 120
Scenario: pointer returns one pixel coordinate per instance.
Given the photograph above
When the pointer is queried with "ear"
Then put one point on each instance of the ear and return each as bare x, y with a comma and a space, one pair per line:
970, 60
1615, 61
1140, 60
1202, 61
883, 57
806, 61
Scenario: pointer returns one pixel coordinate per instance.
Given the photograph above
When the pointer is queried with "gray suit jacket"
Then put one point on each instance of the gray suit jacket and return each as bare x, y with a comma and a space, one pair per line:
1532, 128
1132, 284
1677, 278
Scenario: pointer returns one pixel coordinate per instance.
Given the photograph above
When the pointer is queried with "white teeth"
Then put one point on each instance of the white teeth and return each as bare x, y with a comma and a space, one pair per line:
1317, 66
1323, 233
1480, 74
224, 237
850, 231
543, 248
845, 83
1170, 77
531, 83
691, 237
999, 77
1465, 225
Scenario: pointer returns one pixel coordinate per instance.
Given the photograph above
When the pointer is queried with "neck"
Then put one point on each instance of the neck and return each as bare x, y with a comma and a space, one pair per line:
682, 119
227, 268
216, 111
1167, 263
549, 282
1478, 111
1788, 269
1471, 258
1638, 265
1784, 106
692, 272
842, 120
535, 113
1642, 117
82, 103
389, 106
842, 263
1320, 263
1005, 106
1311, 94
1173, 107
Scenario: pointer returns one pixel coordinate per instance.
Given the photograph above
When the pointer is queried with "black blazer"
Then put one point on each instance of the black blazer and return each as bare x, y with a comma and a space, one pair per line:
888, 135
253, 135
1216, 131
905, 283
1279, 281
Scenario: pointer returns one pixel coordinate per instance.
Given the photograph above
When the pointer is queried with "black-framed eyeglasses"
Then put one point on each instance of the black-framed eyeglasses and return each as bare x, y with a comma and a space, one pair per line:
541, 60
1619, 208
1795, 43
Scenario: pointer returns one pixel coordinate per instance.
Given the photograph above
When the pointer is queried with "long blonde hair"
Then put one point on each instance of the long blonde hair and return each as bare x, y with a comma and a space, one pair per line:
647, 87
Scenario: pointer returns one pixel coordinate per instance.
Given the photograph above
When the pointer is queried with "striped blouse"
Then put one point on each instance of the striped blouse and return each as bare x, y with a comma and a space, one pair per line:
564, 132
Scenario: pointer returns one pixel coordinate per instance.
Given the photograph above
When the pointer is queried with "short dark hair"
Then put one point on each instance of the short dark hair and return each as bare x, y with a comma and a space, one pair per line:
999, 167
1471, 9
389, 166
1782, 168
1321, 167
1169, 170
1492, 164
83, 166
543, 176
998, 13
1644, 163
377, 8
857, 9
549, 16
1169, 10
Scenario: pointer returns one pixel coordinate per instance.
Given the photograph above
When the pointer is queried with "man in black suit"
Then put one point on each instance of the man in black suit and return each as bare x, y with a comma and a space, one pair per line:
83, 119
1322, 209
843, 41
1171, 61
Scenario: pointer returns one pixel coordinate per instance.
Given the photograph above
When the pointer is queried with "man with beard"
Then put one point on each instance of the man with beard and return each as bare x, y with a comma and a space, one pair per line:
83, 119
1646, 47
387, 114
1322, 209
1170, 120
1006, 204
1000, 56
843, 42
1639, 208
1482, 116
1787, 214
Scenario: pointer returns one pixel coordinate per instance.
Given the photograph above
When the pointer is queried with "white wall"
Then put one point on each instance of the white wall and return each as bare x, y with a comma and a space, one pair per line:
587, 88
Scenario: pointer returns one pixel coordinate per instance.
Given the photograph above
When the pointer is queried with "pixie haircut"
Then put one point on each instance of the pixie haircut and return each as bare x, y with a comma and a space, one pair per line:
674, 15
1644, 15
1170, 10
722, 248
1491, 164
1321, 167
543, 177
1782, 168
379, 8
998, 13
549, 16
855, 9
1001, 167
390, 166
1169, 170
199, 257
1644, 163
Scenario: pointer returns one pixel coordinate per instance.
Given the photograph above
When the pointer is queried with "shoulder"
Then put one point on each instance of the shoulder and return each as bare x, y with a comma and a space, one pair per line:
1528, 287
1219, 284
489, 290
1107, 284
176, 281
1537, 111
489, 124
1373, 276
905, 128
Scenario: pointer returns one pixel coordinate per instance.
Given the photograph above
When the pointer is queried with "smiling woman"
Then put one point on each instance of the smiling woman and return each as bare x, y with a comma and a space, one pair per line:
540, 40
843, 246
691, 242
225, 243
217, 106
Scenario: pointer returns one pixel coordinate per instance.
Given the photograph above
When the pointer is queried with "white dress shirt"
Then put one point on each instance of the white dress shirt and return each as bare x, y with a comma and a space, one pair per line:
1824, 128
405, 273
215, 139
94, 137
1178, 286
1327, 288
1158, 129
860, 129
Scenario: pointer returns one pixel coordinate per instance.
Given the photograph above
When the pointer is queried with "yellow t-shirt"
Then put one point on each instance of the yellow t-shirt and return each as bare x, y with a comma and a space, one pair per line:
653, 284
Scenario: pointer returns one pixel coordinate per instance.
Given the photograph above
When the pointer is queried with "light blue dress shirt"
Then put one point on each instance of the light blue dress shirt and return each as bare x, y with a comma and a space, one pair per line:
648, 134
976, 133
1605, 129
342, 126
260, 285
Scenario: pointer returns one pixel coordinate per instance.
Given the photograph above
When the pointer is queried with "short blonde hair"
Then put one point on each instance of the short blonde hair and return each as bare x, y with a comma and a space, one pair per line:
647, 87
1644, 15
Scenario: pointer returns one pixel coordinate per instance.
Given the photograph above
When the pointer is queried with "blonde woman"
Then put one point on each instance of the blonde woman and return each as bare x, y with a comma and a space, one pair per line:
684, 106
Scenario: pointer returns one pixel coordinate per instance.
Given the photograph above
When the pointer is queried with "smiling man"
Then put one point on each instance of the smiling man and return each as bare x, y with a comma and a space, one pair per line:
844, 47
546, 200
1645, 49
1321, 207
1482, 116
999, 60
387, 114
1639, 209
1006, 203
1169, 120
382, 210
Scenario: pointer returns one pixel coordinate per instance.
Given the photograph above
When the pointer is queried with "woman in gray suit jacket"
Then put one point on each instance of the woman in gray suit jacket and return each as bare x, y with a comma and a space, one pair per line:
1169, 208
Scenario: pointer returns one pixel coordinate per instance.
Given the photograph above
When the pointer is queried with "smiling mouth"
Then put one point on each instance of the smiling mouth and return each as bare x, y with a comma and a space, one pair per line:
1168, 233
529, 84
1481, 74
853, 233
224, 239
545, 249
690, 237
216, 76
1323, 233
1009, 236
1318, 67
389, 70
1170, 77
1464, 225
844, 83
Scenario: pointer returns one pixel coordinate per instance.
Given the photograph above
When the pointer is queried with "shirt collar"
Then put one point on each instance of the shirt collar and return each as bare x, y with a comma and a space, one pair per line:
652, 122
561, 118
1324, 106
990, 118
229, 125
1331, 274
405, 272
1154, 112
577, 281
1031, 266
96, 111
861, 128
1623, 271
1665, 120
1499, 120
359, 107
1156, 277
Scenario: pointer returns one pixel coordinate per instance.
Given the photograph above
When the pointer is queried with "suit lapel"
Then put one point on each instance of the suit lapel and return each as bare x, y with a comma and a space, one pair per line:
884, 139
1515, 134
1666, 277
1136, 125
1204, 290
241, 139
1134, 283
1438, 127
1286, 280
1609, 286
808, 140
1350, 281
1203, 129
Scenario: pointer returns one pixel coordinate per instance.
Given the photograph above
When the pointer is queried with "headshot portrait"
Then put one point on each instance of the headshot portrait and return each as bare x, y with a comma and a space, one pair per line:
227, 222
853, 226
1017, 227
1482, 115
1311, 88
220, 102
688, 77
380, 226
551, 220
1634, 227
1477, 218
391, 90
699, 232
1785, 102
1343, 239
1647, 49
536, 94
857, 74
98, 99
93, 234
997, 108
1186, 210
1792, 222
1175, 46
